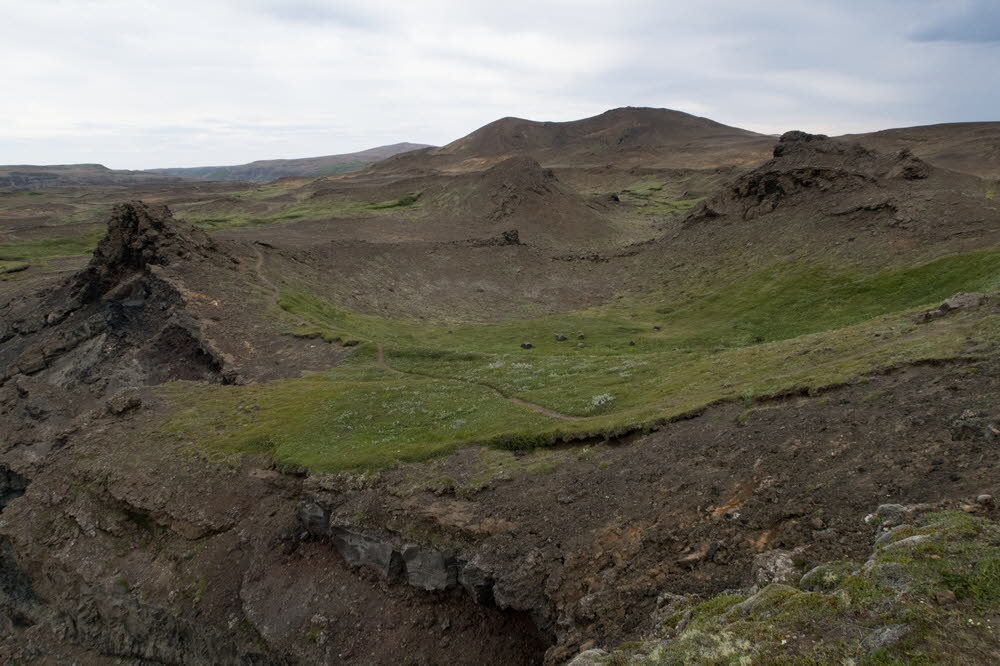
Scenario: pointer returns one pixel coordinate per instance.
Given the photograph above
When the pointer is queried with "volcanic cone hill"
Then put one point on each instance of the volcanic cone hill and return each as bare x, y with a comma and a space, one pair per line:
518, 193
625, 137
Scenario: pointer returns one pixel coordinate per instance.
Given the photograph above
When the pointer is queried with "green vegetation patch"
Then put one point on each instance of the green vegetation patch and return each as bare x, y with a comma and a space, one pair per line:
655, 199
441, 386
778, 303
401, 202
355, 416
778, 329
276, 204
50, 248
644, 188
939, 605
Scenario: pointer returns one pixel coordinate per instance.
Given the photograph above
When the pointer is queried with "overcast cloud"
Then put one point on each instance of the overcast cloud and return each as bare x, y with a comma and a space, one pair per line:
144, 83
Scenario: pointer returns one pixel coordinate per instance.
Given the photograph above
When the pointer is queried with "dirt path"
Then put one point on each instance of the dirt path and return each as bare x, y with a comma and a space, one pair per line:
258, 269
381, 362
272, 288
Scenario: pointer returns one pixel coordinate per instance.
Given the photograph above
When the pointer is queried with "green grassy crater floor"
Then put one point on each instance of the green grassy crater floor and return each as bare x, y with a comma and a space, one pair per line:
621, 367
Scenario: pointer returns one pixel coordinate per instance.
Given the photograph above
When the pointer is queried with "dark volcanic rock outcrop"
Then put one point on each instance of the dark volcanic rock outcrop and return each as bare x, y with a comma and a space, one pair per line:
138, 238
122, 320
834, 193
812, 164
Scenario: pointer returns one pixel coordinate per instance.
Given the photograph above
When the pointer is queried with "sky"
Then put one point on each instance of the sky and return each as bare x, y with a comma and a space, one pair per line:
141, 83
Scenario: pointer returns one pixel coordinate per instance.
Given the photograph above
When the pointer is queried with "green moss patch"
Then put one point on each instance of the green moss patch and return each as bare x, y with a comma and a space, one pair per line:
944, 614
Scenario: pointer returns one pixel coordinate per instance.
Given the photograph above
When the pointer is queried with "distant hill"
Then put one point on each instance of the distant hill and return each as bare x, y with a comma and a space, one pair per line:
266, 170
623, 137
972, 148
31, 177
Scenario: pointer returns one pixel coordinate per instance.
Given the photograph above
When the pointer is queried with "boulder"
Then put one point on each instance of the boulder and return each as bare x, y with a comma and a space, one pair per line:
775, 566
315, 519
827, 576
124, 401
368, 550
960, 301
429, 568
510, 237
592, 657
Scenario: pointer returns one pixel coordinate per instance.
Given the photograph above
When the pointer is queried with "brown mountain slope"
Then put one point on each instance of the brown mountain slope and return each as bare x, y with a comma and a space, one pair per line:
968, 147
624, 137
267, 170
26, 176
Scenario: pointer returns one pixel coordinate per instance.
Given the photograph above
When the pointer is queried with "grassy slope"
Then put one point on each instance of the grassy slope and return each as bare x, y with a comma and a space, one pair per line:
281, 202
34, 251
844, 613
787, 328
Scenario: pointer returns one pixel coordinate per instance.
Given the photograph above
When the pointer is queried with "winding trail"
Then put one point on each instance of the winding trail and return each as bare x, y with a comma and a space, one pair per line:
380, 361
258, 269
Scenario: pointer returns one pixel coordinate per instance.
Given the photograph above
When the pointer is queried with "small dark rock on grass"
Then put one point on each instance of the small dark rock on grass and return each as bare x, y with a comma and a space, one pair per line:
526, 345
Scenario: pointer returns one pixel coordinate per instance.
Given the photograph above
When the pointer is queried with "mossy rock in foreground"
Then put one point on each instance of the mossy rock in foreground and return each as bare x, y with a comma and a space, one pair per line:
942, 608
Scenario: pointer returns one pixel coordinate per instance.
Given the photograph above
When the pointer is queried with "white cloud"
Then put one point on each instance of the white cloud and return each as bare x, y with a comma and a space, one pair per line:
142, 83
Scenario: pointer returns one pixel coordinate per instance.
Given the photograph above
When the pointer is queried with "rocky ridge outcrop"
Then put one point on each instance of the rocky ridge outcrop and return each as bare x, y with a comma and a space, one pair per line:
122, 320
812, 164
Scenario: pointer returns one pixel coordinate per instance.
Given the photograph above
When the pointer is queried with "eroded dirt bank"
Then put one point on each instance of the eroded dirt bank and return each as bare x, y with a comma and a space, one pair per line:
481, 557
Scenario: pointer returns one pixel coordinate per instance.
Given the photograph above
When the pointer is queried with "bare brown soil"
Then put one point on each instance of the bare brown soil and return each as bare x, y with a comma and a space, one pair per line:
972, 148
